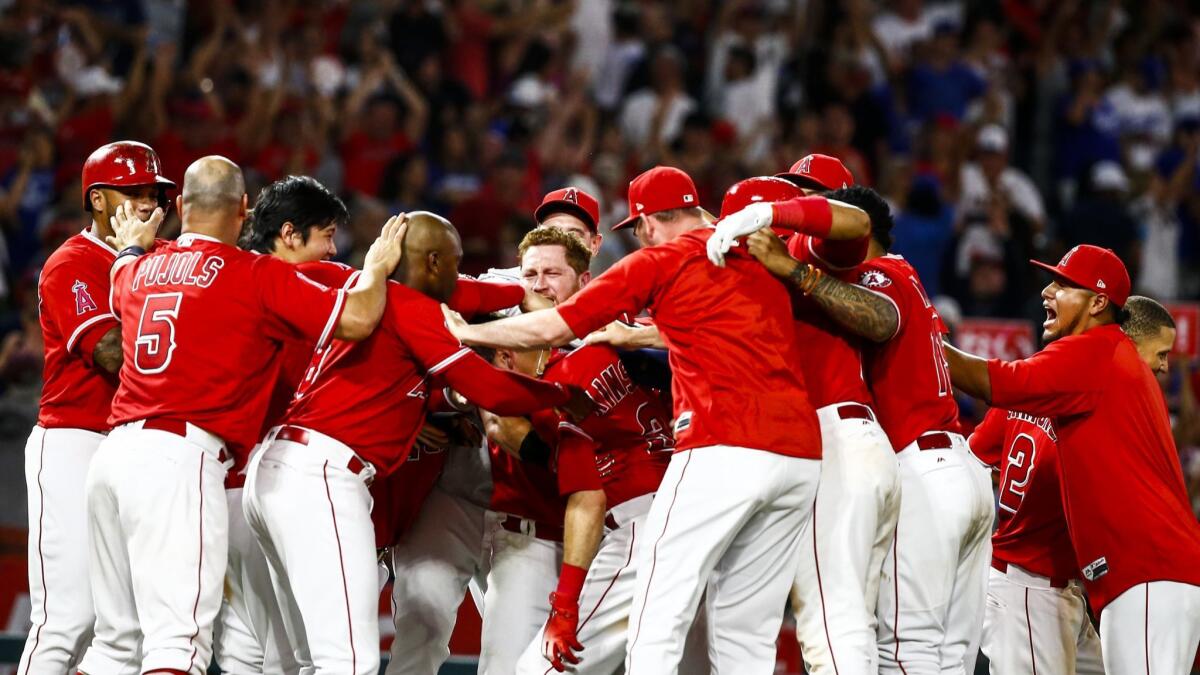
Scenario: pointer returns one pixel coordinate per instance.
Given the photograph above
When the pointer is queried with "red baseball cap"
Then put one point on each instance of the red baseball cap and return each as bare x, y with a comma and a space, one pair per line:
819, 172
573, 201
659, 189
1094, 268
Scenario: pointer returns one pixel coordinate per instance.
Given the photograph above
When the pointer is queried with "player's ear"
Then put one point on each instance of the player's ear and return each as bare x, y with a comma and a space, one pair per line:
584, 278
179, 204
1100, 302
96, 199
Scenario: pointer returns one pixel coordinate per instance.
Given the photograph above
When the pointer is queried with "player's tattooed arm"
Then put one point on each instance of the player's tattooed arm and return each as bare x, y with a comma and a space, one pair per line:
855, 308
969, 373
107, 352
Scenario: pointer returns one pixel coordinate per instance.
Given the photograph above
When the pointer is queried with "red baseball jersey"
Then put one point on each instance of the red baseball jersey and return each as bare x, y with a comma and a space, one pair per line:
831, 360
351, 386
75, 314
907, 374
622, 448
526, 489
1123, 492
1031, 529
203, 324
730, 337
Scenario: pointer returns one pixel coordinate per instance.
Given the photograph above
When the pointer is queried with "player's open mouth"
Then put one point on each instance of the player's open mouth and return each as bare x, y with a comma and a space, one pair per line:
1051, 315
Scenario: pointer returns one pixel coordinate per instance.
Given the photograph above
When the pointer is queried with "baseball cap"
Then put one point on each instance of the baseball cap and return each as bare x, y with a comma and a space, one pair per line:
570, 200
992, 138
819, 172
1097, 269
659, 189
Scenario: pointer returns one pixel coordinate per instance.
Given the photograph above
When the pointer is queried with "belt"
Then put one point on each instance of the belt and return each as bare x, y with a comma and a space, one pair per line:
528, 527
1055, 582
300, 436
854, 411
179, 428
937, 440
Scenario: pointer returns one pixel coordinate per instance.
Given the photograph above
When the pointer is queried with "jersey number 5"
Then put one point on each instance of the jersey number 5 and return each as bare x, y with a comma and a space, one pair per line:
1017, 471
156, 332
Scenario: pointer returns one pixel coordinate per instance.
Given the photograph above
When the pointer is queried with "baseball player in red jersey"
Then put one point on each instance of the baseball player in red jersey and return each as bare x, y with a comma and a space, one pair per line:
608, 466
1135, 538
741, 485
83, 354
295, 220
494, 521
156, 505
932, 589
854, 519
311, 478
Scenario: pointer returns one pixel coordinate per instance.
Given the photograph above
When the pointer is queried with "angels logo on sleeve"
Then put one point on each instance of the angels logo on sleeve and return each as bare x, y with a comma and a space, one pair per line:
83, 300
874, 279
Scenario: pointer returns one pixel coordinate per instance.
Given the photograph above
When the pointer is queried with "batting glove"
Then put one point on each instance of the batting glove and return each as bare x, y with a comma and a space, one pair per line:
559, 639
747, 221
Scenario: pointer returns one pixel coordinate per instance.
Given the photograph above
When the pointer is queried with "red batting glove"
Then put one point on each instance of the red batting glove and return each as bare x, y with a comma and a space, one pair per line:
558, 639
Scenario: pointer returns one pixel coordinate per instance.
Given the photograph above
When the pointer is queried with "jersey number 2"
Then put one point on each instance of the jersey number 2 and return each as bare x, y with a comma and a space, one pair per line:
1017, 471
156, 332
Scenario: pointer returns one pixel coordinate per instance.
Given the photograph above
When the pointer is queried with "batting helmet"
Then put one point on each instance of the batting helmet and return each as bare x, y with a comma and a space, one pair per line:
757, 189
123, 164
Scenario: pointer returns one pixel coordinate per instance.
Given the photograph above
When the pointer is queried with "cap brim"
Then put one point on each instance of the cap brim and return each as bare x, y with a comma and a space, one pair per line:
628, 222
803, 182
1058, 274
562, 206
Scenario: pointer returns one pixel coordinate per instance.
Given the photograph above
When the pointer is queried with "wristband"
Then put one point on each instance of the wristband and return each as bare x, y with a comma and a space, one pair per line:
808, 215
534, 450
131, 250
570, 581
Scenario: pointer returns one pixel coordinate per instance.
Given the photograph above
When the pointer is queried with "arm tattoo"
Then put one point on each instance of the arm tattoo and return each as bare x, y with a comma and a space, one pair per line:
857, 309
107, 352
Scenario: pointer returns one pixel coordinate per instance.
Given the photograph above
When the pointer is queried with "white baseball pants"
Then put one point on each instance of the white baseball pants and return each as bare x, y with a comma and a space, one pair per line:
249, 637
931, 594
452, 545
1153, 628
605, 599
843, 548
60, 595
157, 533
312, 517
1030, 627
727, 519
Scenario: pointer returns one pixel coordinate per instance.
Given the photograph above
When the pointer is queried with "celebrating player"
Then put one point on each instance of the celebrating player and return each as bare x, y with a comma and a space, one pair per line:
932, 589
741, 486
294, 219
197, 311
1131, 525
854, 519
311, 478
83, 354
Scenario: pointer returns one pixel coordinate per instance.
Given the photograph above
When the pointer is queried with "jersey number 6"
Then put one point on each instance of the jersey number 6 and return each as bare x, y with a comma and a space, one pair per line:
156, 332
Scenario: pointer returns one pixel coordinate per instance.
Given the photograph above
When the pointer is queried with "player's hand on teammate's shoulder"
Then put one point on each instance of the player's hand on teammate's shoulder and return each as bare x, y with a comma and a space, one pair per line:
769, 250
751, 219
129, 230
387, 249
455, 323
579, 406
535, 301
433, 437
617, 334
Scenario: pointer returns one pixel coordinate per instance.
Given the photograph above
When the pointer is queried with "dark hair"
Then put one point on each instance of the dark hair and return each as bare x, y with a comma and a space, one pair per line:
1142, 316
300, 200
877, 209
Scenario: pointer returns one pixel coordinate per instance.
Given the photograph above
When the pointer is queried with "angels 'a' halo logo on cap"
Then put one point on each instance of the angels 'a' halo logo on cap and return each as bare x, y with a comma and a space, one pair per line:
1096, 269
573, 201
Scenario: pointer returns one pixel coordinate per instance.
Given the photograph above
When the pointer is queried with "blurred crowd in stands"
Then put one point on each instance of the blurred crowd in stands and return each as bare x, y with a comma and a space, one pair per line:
998, 130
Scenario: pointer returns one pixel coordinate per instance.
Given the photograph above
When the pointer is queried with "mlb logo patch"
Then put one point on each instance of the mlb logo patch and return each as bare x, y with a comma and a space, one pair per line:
683, 421
1095, 569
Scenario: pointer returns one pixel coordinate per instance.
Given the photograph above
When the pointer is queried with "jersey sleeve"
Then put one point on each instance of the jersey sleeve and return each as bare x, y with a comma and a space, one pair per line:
829, 254
75, 299
626, 288
987, 441
419, 323
576, 461
295, 306
1059, 380
328, 273
473, 297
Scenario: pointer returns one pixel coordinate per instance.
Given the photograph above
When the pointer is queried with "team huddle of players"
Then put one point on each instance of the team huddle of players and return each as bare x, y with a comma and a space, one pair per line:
248, 441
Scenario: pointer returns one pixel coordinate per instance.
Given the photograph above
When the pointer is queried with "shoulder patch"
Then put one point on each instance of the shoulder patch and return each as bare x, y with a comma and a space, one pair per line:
874, 279
83, 300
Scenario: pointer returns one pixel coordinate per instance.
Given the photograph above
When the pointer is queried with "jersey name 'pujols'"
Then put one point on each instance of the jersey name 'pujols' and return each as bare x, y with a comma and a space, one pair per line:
182, 267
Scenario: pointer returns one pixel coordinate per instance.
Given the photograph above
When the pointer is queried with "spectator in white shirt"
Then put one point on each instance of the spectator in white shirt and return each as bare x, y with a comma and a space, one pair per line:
990, 178
654, 116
